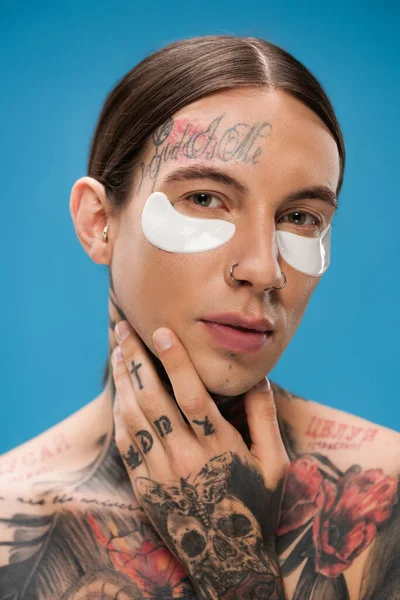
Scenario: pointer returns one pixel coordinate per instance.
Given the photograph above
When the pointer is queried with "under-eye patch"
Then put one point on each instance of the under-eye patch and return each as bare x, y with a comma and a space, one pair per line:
168, 229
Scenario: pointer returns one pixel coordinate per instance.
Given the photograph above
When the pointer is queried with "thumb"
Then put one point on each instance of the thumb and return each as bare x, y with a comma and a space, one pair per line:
267, 446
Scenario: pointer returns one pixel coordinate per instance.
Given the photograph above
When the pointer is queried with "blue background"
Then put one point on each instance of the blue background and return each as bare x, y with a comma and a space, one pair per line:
59, 60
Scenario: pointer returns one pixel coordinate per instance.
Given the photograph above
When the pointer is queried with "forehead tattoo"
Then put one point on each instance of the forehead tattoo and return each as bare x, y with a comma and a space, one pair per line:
184, 138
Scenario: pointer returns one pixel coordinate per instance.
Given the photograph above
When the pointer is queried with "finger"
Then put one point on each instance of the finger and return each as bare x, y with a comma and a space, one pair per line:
136, 423
129, 451
266, 442
160, 408
190, 392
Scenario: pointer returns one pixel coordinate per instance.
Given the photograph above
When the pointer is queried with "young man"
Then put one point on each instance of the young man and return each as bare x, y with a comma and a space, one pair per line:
169, 484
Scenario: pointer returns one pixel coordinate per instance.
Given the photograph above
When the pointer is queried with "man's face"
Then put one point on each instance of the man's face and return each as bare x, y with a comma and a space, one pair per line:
273, 146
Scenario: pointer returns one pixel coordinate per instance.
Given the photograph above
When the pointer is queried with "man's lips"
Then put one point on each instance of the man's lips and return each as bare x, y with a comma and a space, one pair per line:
238, 339
245, 321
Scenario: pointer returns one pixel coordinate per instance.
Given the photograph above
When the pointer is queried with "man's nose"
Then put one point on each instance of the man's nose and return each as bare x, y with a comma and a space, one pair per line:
256, 255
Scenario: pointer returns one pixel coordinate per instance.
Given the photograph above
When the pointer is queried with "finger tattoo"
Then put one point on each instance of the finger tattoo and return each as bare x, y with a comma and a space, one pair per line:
132, 458
135, 369
163, 425
208, 426
146, 440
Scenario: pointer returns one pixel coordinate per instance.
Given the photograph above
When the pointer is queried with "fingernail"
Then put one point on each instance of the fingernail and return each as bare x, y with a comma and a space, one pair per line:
116, 356
162, 339
263, 386
122, 330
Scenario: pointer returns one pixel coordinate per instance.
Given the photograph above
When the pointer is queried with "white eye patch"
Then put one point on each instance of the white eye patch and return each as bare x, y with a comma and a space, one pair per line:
168, 229
310, 256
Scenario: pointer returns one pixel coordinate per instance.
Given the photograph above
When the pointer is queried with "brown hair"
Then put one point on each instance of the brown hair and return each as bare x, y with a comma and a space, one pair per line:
178, 74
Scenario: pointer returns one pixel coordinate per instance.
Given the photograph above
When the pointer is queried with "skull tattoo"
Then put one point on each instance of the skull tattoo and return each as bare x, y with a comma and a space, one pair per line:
214, 535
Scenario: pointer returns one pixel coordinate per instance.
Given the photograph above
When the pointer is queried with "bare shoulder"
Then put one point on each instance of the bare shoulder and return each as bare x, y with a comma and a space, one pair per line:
37, 490
70, 525
320, 428
35, 458
36, 480
67, 446
342, 489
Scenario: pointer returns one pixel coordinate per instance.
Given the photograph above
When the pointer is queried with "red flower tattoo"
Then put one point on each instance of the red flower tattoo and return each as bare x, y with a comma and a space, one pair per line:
300, 501
151, 567
350, 513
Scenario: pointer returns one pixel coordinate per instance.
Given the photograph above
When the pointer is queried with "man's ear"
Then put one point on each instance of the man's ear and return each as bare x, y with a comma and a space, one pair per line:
90, 210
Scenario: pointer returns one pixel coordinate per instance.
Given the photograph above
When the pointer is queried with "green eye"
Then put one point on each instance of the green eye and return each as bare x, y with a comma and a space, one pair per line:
300, 218
204, 199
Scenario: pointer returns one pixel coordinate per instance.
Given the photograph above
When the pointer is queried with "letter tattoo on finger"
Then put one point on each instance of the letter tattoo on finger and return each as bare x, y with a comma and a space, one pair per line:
163, 425
146, 440
208, 426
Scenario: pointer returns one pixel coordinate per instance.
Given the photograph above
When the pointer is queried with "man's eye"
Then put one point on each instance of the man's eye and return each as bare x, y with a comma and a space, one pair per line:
205, 199
300, 218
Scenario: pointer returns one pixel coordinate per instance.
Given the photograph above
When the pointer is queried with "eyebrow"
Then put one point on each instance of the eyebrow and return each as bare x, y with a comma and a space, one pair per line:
188, 173
204, 172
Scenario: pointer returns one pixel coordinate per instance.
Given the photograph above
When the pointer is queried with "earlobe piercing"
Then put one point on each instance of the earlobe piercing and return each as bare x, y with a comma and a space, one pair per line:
104, 235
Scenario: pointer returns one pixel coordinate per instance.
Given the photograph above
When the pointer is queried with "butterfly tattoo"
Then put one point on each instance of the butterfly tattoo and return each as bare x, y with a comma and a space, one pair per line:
208, 488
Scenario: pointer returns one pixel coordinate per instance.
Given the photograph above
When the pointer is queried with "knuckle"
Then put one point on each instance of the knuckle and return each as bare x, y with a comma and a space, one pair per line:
233, 436
129, 356
181, 465
117, 371
177, 361
269, 411
193, 405
131, 422
129, 416
119, 374
122, 440
174, 365
147, 397
151, 403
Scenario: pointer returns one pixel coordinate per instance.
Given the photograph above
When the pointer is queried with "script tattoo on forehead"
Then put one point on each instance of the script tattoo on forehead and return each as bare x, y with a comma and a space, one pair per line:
184, 138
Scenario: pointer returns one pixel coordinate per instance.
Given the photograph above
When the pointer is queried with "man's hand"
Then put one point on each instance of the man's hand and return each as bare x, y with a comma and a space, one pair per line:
214, 502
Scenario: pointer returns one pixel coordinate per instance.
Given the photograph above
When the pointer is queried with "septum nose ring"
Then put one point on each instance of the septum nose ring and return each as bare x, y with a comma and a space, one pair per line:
273, 287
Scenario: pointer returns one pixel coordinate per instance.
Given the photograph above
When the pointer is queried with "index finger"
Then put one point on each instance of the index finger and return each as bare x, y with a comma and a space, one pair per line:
152, 397
189, 390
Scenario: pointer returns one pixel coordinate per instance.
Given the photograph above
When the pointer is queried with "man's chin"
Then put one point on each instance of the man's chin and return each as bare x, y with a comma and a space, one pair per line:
220, 387
219, 383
